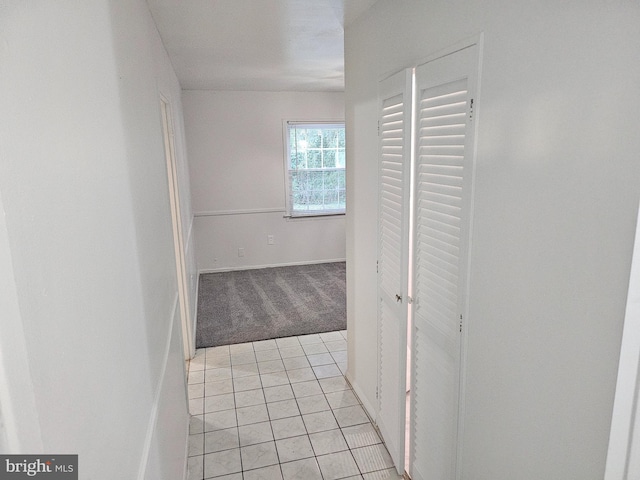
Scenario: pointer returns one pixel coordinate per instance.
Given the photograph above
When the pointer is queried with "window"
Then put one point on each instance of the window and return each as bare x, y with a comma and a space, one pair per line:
315, 168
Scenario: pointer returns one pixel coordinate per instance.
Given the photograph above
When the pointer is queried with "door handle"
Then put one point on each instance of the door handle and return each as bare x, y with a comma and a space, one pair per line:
398, 298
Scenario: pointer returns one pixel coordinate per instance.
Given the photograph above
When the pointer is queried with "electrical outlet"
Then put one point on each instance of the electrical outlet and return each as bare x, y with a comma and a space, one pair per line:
241, 252
270, 240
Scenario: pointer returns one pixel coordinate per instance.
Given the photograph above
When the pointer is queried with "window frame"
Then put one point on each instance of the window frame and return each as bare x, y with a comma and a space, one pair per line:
289, 207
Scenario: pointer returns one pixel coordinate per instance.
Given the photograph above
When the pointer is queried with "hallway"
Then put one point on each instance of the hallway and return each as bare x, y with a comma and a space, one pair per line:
280, 409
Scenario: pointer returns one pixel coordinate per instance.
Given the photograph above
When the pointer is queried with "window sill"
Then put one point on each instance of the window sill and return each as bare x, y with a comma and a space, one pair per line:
314, 215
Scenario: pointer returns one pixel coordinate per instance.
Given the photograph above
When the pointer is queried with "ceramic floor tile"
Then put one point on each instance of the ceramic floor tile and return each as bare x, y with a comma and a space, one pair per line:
265, 345
301, 375
218, 361
349, 416
197, 376
196, 424
295, 362
307, 339
312, 404
344, 398
339, 357
233, 476
247, 398
337, 465
222, 463
333, 384
196, 406
338, 346
247, 383
253, 414
287, 342
218, 388
292, 352
361, 435
298, 383
217, 374
264, 473
313, 348
318, 422
220, 350
196, 444
265, 355
389, 474
306, 389
221, 440
320, 359
219, 420
331, 336
271, 366
243, 358
294, 448
278, 393
282, 409
306, 469
241, 348
216, 403
255, 433
197, 362
195, 468
344, 334
330, 441
274, 379
259, 455
326, 371
244, 370
373, 458
288, 427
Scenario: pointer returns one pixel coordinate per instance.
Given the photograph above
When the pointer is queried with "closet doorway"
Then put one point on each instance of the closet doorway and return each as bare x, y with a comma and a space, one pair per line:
426, 169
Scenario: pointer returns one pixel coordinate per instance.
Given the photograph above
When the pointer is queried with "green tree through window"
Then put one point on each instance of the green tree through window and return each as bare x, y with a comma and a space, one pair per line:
316, 169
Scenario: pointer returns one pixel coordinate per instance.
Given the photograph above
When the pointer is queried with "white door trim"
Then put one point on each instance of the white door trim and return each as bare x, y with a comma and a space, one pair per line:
176, 222
623, 457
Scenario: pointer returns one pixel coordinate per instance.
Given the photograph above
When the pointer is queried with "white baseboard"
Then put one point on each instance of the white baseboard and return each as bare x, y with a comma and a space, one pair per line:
370, 411
256, 267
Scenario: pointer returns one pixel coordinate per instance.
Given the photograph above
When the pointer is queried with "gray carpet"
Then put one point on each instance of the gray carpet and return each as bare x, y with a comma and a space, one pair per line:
250, 305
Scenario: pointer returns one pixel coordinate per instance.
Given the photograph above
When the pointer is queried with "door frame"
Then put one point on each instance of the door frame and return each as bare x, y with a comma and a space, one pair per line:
168, 133
623, 456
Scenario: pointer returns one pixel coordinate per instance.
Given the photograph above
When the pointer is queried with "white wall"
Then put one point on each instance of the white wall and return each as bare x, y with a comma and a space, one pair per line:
236, 156
558, 181
84, 189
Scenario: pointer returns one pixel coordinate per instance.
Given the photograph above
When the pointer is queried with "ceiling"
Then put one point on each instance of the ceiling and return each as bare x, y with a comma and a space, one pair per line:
262, 45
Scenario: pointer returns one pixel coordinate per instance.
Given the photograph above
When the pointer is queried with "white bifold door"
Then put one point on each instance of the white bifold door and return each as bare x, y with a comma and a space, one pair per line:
393, 257
442, 128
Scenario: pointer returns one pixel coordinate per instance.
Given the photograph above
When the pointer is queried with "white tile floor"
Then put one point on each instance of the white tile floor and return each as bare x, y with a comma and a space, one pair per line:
280, 409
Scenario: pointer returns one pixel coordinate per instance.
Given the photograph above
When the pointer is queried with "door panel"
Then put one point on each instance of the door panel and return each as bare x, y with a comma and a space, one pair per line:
443, 181
393, 224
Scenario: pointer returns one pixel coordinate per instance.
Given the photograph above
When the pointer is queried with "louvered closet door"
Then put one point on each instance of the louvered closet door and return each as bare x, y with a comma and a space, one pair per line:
443, 190
393, 242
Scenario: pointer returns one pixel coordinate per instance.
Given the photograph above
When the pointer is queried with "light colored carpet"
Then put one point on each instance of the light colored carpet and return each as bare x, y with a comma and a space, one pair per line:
250, 305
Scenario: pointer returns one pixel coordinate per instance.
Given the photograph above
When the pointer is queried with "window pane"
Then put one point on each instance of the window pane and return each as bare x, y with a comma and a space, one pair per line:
314, 138
314, 159
329, 159
330, 139
316, 169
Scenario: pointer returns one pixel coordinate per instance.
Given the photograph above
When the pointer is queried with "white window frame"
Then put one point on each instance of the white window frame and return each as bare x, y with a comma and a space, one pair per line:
290, 211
